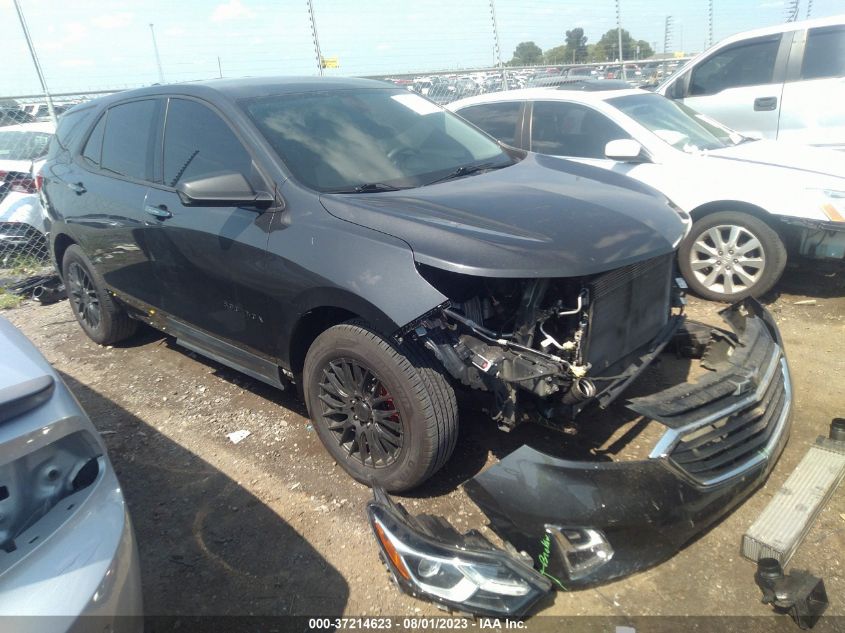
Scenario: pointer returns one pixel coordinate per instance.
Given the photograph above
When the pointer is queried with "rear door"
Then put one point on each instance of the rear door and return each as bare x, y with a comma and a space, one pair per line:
741, 84
208, 257
812, 107
108, 183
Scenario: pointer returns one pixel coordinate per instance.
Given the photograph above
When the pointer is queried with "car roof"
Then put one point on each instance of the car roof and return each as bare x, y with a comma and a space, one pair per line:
247, 88
40, 126
546, 94
784, 27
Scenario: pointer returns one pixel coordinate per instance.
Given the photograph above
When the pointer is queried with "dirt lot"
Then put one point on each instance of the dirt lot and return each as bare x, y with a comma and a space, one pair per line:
272, 526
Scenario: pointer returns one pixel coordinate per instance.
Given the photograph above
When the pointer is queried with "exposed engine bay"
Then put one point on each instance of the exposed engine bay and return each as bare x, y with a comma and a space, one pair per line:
546, 348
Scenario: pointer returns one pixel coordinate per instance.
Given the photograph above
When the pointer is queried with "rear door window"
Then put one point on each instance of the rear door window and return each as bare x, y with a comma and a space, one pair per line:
824, 53
499, 120
570, 129
130, 139
744, 64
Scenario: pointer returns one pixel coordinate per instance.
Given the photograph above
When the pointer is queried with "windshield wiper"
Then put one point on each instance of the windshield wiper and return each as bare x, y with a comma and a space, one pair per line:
369, 187
466, 170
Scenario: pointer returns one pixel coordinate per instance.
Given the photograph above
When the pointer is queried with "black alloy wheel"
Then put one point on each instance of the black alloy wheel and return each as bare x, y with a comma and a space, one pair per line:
360, 413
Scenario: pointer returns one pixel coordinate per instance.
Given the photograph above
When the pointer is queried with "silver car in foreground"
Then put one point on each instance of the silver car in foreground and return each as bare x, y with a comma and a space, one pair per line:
67, 549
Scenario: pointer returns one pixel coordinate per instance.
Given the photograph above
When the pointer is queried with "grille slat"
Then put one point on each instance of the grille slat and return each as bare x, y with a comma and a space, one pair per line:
735, 440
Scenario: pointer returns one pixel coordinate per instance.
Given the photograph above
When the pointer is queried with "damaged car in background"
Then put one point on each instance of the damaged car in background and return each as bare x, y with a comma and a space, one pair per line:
361, 242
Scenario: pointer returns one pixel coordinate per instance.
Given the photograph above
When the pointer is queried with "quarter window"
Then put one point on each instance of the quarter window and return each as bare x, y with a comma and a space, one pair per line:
824, 53
745, 64
570, 129
198, 144
95, 142
130, 139
499, 120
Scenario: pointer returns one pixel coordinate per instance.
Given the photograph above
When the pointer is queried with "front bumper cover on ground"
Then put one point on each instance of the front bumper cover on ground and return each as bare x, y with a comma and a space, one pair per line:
584, 523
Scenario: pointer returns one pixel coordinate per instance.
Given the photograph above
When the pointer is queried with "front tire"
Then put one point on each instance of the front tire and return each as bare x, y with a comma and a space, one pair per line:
103, 320
384, 412
731, 255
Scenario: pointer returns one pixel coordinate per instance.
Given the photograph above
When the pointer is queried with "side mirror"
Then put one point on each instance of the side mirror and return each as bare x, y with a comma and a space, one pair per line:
227, 189
625, 150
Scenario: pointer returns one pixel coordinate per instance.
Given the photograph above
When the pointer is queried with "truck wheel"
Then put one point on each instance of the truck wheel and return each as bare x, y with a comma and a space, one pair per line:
385, 413
103, 320
731, 255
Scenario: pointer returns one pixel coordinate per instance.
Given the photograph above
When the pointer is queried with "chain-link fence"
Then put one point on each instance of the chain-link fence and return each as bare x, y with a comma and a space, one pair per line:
59, 54
24, 259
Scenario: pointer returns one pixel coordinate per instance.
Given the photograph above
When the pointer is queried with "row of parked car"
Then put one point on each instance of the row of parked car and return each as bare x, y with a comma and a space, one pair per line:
383, 253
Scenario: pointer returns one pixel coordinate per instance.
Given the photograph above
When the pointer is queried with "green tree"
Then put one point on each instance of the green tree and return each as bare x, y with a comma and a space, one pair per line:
609, 42
557, 55
526, 54
576, 45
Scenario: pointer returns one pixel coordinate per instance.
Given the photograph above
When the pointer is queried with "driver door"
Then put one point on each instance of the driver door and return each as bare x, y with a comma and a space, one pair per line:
206, 256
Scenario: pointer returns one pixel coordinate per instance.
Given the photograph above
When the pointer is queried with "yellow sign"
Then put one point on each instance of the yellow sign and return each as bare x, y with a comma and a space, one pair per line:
680, 54
330, 62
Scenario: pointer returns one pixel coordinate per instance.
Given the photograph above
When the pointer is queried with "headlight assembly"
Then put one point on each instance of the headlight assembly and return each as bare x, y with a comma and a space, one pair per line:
429, 559
832, 204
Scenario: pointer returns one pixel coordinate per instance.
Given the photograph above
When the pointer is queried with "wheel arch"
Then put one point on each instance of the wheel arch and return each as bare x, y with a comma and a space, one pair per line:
715, 206
61, 242
322, 309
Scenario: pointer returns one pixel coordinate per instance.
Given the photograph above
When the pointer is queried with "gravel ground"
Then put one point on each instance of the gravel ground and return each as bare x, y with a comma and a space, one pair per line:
272, 526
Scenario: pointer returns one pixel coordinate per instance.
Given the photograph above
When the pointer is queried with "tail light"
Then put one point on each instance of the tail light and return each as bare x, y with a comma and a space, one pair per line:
23, 184
18, 181
39, 182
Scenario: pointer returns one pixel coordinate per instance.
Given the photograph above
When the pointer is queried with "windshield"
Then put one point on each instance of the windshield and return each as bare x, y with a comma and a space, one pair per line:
679, 125
346, 139
23, 145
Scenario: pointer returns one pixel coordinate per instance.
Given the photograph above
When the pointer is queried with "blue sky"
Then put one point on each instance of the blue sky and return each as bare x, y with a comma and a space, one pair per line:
90, 44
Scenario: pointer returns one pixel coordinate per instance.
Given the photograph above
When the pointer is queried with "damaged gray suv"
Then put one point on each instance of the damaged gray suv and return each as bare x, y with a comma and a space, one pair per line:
381, 253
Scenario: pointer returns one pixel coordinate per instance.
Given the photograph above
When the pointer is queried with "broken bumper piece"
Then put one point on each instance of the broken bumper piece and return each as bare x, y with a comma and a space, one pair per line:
429, 559
583, 523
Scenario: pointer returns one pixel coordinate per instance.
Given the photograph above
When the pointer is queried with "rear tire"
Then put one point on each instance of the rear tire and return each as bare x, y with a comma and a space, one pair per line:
384, 412
731, 255
100, 316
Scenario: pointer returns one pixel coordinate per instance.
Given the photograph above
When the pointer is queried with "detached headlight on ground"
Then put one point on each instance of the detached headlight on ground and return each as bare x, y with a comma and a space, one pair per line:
430, 559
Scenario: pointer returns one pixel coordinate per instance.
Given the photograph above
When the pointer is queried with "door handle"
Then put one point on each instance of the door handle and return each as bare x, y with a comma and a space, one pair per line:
764, 104
76, 187
160, 211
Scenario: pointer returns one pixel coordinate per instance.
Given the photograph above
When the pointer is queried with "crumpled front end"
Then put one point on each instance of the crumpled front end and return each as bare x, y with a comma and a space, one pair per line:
583, 523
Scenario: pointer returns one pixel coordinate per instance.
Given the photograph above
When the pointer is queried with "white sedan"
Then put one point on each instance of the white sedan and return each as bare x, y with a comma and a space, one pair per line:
749, 200
23, 149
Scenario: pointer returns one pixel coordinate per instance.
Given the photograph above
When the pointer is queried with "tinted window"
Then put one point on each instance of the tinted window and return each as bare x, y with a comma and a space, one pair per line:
95, 142
745, 64
499, 120
72, 125
569, 129
130, 139
197, 144
336, 141
824, 54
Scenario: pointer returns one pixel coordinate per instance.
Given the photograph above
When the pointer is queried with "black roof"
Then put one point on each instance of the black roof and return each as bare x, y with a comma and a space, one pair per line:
249, 87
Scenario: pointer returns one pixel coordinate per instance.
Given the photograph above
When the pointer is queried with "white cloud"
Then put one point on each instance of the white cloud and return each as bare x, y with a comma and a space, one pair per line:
231, 10
113, 20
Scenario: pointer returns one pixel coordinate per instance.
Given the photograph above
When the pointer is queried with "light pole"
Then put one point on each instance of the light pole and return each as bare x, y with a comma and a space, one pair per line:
496, 47
667, 33
619, 37
316, 39
38, 70
155, 50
